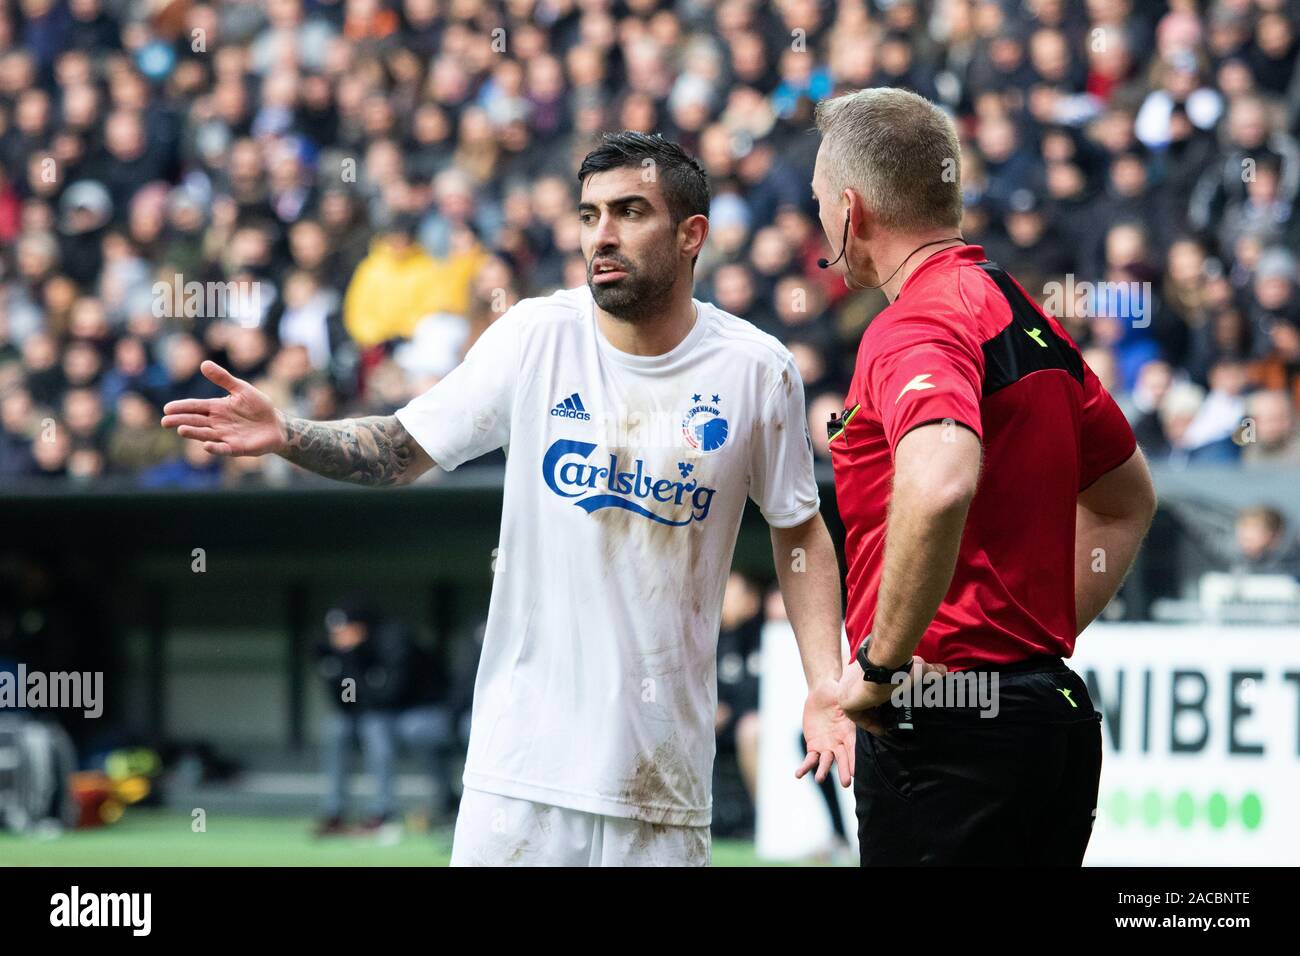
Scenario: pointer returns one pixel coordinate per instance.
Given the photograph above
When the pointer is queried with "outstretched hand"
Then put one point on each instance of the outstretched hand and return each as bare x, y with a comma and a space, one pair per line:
244, 422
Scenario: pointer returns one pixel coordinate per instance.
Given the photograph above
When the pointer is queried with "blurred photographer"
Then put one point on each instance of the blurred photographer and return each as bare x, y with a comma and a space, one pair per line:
387, 692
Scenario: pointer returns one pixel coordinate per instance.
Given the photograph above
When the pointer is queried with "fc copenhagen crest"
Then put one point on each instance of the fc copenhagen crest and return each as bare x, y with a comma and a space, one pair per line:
704, 428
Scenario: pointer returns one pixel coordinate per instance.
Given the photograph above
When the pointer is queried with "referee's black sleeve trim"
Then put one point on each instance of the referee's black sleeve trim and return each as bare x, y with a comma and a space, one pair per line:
939, 421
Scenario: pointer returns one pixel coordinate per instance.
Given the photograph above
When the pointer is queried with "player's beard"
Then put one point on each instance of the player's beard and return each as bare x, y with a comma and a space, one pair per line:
643, 292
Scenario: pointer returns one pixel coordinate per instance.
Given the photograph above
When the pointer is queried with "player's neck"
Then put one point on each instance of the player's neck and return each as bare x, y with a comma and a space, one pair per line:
655, 334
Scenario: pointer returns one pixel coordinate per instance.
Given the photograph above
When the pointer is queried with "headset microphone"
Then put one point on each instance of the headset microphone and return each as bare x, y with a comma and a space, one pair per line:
824, 263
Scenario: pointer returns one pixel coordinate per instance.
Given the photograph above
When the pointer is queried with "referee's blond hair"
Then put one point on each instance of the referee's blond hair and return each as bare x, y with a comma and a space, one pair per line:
899, 151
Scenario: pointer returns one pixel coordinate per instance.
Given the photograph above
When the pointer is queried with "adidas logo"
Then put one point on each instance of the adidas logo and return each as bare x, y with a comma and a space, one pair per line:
571, 407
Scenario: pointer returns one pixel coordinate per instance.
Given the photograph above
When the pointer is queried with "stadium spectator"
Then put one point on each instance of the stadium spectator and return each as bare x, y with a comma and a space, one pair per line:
364, 164
1144, 409
1275, 439
1209, 435
1265, 544
1275, 315
193, 469
16, 428
1033, 245
136, 441
400, 283
387, 692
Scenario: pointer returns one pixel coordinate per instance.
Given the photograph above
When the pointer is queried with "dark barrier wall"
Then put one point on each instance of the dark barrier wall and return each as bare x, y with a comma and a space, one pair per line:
201, 608
230, 587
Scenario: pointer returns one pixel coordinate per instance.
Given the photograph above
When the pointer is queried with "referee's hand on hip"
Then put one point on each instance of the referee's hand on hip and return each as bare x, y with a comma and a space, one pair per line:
862, 700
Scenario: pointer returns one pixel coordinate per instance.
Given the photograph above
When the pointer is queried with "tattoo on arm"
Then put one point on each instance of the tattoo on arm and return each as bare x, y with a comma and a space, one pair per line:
365, 451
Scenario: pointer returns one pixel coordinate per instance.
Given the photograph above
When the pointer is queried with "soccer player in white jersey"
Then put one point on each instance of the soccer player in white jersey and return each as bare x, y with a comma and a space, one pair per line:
637, 421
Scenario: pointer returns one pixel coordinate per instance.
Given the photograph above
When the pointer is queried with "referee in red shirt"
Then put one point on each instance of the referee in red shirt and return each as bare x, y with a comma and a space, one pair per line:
993, 497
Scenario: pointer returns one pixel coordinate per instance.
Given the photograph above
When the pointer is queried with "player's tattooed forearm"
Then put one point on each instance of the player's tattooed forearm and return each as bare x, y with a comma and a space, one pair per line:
365, 451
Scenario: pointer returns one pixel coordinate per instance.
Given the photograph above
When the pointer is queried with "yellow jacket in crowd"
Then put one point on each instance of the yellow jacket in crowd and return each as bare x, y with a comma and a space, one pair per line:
399, 283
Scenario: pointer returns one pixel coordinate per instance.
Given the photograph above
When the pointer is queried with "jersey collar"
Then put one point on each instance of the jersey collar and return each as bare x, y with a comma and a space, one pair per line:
651, 363
956, 255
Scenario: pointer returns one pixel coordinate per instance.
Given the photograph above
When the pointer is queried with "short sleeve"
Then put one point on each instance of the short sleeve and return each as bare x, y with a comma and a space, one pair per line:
1106, 440
467, 414
781, 480
920, 371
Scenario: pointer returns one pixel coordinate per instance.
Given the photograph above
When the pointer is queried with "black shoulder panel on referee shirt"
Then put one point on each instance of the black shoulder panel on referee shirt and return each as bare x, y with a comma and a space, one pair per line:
1028, 344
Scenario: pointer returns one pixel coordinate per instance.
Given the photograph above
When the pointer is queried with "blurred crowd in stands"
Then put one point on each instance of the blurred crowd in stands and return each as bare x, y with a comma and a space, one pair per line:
334, 197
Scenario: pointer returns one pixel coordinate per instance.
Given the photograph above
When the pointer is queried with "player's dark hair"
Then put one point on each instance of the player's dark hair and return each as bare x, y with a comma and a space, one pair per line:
683, 181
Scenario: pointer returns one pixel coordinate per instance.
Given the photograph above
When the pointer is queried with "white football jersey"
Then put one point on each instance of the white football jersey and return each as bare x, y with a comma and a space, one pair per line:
626, 477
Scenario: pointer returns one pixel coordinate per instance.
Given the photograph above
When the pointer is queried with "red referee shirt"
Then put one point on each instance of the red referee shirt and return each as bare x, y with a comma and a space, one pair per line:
964, 344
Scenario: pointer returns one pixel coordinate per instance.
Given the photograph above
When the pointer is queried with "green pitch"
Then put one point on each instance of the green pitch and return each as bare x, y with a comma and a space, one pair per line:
162, 838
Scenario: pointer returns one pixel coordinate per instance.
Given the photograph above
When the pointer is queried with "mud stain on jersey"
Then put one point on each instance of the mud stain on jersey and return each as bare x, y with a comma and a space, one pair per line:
615, 522
652, 787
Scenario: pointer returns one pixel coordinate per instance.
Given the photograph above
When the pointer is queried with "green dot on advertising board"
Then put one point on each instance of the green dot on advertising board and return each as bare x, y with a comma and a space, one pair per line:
1217, 810
1151, 808
1184, 809
1119, 808
1252, 811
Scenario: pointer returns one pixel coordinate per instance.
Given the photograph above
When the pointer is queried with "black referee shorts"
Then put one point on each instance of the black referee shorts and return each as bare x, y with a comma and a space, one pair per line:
943, 785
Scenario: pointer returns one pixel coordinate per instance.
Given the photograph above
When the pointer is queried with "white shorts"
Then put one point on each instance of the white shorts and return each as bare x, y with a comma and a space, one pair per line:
492, 830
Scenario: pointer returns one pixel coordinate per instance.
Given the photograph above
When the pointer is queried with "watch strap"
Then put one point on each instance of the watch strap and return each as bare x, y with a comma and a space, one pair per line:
875, 673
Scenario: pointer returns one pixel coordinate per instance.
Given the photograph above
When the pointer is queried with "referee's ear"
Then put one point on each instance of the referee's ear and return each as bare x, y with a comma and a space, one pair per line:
861, 218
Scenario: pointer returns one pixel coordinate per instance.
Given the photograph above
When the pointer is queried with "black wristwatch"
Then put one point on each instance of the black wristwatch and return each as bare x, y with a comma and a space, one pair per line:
876, 674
